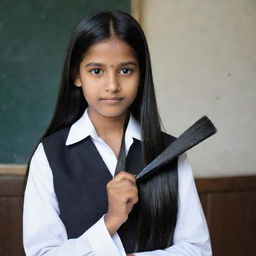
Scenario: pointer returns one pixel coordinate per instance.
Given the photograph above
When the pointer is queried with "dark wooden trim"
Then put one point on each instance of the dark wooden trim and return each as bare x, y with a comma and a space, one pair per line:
226, 184
11, 185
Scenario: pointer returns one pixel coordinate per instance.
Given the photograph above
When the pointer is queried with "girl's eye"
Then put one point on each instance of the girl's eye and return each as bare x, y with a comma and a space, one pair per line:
96, 71
126, 71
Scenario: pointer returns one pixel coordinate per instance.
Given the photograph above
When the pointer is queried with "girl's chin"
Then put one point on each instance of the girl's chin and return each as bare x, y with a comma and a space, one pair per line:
114, 115
109, 113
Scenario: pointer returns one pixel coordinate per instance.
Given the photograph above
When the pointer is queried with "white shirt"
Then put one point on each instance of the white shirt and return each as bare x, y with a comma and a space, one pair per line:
45, 234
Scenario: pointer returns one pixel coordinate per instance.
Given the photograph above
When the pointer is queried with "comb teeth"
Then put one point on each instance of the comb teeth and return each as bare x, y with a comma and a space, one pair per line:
199, 131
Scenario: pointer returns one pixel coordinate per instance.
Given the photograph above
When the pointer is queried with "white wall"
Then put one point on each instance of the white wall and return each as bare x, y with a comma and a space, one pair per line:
204, 63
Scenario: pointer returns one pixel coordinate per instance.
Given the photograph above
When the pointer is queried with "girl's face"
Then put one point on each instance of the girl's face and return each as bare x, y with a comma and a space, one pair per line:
109, 77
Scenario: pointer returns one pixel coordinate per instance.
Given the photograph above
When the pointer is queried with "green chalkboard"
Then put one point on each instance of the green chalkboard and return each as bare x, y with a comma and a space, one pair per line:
33, 39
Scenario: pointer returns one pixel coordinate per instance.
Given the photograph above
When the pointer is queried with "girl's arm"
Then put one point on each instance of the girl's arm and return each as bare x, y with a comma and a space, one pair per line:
43, 231
191, 236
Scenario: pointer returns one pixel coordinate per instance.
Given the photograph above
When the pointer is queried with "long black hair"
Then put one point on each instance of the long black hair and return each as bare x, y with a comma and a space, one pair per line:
157, 195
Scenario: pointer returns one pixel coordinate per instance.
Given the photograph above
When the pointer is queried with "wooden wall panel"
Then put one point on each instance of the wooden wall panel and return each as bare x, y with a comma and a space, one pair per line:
3, 214
232, 221
14, 231
11, 216
230, 208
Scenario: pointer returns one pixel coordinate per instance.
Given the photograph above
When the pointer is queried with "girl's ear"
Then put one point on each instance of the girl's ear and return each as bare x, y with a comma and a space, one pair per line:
78, 82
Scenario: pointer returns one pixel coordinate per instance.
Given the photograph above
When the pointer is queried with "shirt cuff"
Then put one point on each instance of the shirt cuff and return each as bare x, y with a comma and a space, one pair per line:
119, 244
101, 241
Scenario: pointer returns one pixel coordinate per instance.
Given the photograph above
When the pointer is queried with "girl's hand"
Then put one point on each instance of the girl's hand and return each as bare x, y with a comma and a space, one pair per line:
122, 195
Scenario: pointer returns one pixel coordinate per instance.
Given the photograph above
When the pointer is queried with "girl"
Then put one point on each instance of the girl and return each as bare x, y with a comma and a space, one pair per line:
81, 196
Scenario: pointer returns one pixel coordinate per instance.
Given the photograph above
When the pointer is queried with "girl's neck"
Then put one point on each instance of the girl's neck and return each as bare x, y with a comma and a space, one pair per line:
107, 126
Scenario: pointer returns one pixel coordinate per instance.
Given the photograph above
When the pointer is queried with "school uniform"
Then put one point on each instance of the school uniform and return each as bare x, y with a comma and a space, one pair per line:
65, 198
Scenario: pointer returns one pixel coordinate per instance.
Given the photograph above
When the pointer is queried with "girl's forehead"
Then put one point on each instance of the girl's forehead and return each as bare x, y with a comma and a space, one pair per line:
110, 50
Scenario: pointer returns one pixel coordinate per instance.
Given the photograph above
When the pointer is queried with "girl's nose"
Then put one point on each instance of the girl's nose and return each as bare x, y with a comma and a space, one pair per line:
112, 84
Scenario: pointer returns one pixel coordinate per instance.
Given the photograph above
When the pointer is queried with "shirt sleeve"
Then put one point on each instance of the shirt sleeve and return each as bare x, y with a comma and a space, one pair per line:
43, 231
191, 236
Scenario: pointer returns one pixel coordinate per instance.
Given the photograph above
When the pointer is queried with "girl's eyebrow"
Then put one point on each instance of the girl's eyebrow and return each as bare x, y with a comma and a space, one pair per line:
96, 64
128, 63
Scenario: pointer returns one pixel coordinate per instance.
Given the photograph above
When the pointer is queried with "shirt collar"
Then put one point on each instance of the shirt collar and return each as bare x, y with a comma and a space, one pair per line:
84, 127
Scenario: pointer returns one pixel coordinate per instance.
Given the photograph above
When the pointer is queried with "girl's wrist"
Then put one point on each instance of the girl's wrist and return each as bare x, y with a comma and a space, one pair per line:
112, 224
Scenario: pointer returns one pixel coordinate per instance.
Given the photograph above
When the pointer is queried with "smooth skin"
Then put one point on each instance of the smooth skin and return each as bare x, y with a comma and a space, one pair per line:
109, 77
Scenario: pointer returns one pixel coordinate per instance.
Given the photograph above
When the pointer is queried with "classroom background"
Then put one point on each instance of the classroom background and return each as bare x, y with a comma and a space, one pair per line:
204, 63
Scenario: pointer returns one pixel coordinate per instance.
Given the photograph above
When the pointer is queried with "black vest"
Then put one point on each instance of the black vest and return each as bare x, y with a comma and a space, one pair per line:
80, 177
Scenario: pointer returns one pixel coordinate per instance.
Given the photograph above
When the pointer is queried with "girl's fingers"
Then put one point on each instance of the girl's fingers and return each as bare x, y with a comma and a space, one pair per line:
129, 196
125, 175
133, 199
124, 186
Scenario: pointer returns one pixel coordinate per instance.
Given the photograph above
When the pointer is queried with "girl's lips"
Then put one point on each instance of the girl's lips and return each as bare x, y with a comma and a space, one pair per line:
112, 100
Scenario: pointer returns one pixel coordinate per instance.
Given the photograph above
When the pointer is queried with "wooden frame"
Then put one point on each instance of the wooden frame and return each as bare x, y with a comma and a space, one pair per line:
12, 169
136, 9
